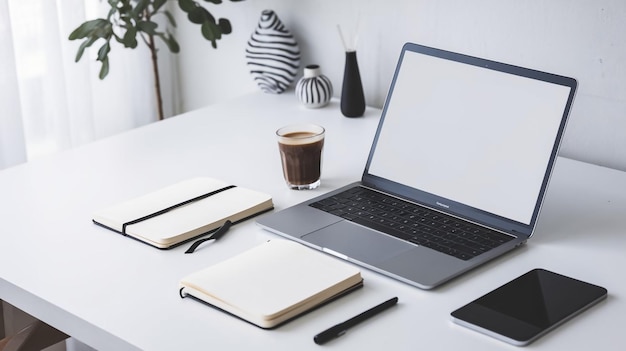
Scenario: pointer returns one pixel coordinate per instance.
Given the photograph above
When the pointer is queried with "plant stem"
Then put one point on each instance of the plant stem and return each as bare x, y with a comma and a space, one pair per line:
155, 71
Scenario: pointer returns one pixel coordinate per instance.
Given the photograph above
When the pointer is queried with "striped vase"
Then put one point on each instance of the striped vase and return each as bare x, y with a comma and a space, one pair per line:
314, 89
272, 54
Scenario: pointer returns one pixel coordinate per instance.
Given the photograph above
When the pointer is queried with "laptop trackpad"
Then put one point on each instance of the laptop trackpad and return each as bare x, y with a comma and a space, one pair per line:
357, 242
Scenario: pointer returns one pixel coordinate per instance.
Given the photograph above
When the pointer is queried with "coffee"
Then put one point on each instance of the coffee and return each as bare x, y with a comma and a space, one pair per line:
301, 155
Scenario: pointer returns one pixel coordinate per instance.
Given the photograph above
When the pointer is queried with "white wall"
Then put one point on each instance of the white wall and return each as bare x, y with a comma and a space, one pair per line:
585, 39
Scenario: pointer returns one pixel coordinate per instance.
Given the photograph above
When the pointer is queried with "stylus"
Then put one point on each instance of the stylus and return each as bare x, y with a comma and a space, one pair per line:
341, 328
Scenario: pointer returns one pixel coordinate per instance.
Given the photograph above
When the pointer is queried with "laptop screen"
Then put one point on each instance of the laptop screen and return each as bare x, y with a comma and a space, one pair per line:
474, 135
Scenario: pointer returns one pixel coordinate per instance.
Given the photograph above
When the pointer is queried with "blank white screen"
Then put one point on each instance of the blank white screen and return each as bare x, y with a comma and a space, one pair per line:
472, 135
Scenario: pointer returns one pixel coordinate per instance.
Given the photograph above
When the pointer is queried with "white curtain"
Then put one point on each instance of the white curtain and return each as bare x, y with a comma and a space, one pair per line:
50, 103
12, 148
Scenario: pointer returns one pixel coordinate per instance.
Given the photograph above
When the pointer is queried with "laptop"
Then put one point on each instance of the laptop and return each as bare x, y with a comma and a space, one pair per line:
456, 174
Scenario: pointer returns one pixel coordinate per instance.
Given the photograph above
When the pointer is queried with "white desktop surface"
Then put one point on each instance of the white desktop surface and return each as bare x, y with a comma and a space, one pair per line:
115, 293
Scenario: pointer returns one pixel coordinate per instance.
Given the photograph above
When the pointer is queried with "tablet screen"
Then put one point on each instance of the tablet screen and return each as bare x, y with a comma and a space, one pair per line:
529, 306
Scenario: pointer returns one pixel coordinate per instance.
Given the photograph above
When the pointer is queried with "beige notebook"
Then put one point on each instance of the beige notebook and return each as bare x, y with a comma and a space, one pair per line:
183, 211
273, 282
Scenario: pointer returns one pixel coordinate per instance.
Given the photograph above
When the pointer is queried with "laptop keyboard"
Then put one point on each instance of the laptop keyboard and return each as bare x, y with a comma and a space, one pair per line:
412, 223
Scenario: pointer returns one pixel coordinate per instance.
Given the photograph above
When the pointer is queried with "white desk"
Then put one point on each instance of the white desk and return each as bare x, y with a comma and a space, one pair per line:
115, 293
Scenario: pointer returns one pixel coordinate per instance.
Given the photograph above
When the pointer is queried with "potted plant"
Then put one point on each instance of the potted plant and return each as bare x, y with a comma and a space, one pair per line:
128, 20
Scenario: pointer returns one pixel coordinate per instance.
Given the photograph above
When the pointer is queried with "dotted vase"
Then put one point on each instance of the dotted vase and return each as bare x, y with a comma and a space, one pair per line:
314, 89
272, 54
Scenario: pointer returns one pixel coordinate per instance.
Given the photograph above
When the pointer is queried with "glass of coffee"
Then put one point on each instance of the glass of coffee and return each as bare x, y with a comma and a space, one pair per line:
300, 149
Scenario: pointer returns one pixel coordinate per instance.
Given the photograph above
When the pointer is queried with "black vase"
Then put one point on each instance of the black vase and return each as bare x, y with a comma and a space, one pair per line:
352, 98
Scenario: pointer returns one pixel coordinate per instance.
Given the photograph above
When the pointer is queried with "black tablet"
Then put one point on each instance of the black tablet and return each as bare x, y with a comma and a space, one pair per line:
529, 306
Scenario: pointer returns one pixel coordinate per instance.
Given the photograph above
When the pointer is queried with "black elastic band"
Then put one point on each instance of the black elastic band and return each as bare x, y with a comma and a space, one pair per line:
158, 213
216, 235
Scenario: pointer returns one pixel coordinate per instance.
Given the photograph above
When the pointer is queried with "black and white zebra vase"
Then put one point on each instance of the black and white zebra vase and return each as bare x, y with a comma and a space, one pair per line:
314, 89
272, 54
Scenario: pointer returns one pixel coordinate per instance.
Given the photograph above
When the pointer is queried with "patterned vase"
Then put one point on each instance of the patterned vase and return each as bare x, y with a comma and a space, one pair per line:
272, 54
314, 89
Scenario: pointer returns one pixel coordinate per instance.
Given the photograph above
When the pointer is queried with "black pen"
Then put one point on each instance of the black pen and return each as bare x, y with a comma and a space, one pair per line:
341, 328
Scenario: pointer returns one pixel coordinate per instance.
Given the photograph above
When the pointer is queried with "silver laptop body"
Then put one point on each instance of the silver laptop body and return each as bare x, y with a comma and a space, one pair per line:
464, 138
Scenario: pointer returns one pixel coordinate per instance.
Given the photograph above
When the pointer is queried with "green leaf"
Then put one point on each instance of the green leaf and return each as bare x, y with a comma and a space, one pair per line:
171, 43
196, 16
170, 17
140, 7
105, 32
187, 5
128, 22
104, 70
200, 15
157, 4
104, 51
112, 12
130, 38
217, 2
211, 32
225, 26
147, 27
126, 7
87, 43
88, 28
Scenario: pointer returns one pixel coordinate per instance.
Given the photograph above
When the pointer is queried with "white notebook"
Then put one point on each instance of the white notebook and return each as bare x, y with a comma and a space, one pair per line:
218, 201
273, 282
